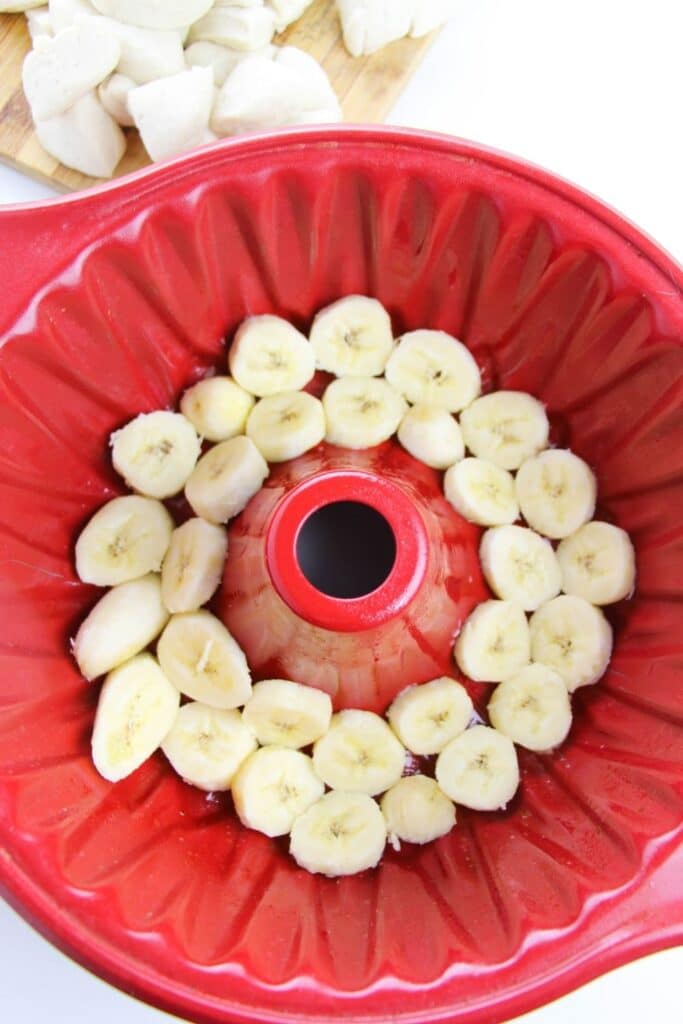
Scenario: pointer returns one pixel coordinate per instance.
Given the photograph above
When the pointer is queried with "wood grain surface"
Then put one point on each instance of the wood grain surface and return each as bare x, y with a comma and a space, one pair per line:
367, 88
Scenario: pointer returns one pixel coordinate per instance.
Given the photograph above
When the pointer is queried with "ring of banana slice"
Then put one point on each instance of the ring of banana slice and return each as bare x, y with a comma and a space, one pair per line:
338, 783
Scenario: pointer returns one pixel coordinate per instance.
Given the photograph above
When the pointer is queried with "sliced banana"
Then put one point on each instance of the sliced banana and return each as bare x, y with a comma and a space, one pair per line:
353, 337
156, 453
433, 368
481, 492
341, 834
431, 435
217, 408
285, 426
362, 412
520, 566
556, 491
193, 566
269, 355
494, 643
287, 714
125, 539
136, 710
206, 746
598, 563
532, 708
273, 788
121, 624
506, 428
479, 769
225, 479
571, 636
416, 810
204, 661
427, 717
359, 754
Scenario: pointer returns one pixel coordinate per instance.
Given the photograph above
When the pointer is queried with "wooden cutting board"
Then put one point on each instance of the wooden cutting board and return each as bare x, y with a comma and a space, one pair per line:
367, 88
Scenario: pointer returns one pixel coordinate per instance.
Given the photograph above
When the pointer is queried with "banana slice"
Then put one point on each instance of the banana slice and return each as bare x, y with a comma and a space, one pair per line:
359, 754
268, 356
136, 710
353, 337
532, 708
225, 479
206, 746
481, 492
193, 567
571, 636
127, 538
204, 661
506, 427
155, 453
287, 425
416, 810
556, 491
362, 412
273, 788
287, 714
433, 368
341, 834
431, 435
494, 643
427, 717
598, 563
479, 769
520, 566
217, 408
121, 624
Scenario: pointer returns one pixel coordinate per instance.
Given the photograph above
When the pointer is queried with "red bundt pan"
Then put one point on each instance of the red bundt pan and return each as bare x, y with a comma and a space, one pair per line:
110, 304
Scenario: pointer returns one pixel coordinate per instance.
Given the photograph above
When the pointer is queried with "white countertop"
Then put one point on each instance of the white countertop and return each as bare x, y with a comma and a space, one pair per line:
590, 89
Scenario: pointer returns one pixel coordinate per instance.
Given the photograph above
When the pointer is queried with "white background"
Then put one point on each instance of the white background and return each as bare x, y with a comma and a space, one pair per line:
593, 90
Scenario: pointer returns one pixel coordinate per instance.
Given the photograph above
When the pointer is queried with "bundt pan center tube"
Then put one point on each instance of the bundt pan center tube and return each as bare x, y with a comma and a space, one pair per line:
351, 572
116, 300
347, 550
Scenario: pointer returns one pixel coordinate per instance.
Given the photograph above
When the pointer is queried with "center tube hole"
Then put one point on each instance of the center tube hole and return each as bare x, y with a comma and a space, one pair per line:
346, 549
